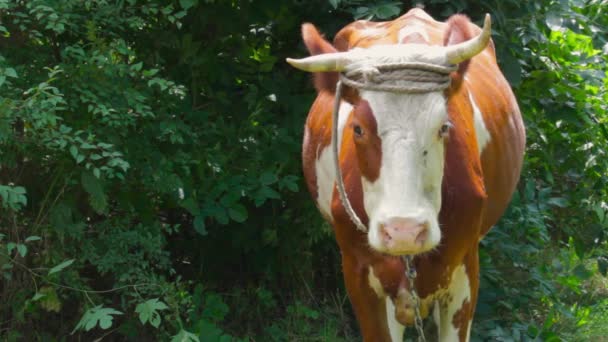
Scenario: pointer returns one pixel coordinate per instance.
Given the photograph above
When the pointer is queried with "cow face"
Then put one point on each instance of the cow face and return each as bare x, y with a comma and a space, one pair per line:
399, 143
399, 137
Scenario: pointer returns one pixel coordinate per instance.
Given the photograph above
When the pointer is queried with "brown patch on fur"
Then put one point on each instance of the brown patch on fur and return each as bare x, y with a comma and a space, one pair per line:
458, 30
368, 145
461, 320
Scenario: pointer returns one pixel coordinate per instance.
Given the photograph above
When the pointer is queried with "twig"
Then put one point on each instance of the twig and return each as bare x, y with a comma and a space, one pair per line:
135, 286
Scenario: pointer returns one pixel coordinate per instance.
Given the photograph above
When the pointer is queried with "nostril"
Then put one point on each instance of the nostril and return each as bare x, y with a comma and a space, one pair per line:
386, 236
422, 235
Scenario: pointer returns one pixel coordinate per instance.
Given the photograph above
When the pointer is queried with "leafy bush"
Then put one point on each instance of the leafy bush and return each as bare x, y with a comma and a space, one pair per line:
150, 181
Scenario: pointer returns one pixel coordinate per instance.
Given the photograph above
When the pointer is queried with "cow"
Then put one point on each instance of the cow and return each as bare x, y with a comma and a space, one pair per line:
429, 149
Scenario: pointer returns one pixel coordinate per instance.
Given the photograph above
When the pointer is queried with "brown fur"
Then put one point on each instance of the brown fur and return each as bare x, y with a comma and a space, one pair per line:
369, 145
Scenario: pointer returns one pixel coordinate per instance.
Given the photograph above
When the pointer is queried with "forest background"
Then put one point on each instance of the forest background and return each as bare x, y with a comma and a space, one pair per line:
151, 184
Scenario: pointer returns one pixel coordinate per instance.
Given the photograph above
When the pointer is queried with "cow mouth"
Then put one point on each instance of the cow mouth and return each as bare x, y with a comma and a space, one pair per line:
399, 236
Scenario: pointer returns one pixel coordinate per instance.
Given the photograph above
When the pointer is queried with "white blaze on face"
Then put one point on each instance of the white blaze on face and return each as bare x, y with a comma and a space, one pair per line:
411, 171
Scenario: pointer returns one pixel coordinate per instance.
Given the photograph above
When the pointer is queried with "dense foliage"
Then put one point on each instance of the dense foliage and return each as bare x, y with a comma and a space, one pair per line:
150, 183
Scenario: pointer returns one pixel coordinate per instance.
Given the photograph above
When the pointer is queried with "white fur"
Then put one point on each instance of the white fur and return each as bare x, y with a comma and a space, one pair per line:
409, 184
400, 53
374, 283
394, 327
459, 291
372, 32
481, 132
406, 31
324, 166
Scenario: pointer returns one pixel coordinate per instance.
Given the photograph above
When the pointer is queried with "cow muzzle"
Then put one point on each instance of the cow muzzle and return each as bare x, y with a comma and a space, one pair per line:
402, 235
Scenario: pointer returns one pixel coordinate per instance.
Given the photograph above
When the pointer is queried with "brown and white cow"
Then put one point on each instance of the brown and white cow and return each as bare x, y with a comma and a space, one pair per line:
428, 172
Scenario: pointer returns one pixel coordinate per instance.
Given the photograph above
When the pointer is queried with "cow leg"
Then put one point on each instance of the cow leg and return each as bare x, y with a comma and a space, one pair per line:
369, 303
458, 307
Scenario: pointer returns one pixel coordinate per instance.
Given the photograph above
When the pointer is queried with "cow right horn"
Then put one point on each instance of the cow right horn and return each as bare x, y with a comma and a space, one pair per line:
319, 63
467, 50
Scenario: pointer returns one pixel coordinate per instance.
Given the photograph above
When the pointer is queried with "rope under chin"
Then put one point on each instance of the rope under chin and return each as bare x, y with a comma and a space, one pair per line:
405, 78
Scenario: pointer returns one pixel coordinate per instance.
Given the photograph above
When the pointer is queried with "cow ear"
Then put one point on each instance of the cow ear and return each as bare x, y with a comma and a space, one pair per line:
316, 45
459, 30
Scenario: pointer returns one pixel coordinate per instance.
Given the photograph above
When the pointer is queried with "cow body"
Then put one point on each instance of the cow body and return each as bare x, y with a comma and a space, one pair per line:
481, 167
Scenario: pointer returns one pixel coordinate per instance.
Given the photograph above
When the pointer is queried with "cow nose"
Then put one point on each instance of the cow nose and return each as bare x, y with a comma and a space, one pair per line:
403, 235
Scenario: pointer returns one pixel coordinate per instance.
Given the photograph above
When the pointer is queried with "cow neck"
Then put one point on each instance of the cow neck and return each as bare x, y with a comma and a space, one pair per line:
405, 78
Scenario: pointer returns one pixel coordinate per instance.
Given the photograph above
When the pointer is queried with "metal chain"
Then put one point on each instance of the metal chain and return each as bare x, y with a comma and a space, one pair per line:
410, 274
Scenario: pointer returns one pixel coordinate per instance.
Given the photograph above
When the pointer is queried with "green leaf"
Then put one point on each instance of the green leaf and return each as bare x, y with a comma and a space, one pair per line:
148, 311
61, 266
558, 202
186, 4
268, 178
215, 308
74, 151
13, 197
238, 213
386, 11
10, 72
22, 249
32, 238
137, 66
581, 272
96, 316
191, 205
290, 182
512, 69
79, 158
334, 3
93, 186
38, 296
199, 225
184, 336
10, 246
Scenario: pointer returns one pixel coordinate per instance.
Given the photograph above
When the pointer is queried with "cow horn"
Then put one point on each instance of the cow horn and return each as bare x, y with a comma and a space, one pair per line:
466, 50
325, 62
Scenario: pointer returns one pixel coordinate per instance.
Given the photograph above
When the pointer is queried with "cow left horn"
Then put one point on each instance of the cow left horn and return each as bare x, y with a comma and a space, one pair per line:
467, 50
325, 62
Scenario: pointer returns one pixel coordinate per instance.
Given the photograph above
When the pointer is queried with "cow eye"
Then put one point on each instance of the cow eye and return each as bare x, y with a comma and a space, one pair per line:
358, 131
445, 129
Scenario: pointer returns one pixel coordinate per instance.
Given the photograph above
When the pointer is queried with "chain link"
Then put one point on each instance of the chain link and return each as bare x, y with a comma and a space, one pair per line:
410, 274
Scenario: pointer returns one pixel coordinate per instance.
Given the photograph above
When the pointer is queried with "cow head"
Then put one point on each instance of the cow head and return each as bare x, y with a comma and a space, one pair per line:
399, 137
